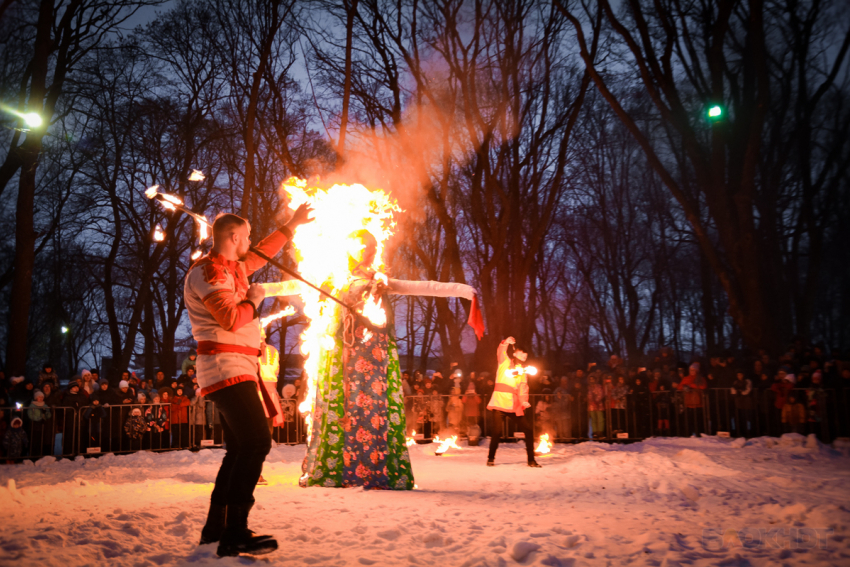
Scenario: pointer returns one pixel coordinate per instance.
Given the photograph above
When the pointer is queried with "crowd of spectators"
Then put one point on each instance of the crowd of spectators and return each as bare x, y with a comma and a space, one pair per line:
805, 390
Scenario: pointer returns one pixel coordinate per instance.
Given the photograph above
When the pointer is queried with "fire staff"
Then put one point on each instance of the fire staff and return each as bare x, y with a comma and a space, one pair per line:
224, 313
510, 399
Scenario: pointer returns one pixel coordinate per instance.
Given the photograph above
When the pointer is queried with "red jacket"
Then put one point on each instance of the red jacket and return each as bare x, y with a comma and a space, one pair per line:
180, 410
781, 389
692, 386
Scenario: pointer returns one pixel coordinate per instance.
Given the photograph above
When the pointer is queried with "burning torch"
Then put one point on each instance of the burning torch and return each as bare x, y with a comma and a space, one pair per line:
172, 203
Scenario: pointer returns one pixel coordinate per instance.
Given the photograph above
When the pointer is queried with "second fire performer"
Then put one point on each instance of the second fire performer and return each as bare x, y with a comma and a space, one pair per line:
510, 399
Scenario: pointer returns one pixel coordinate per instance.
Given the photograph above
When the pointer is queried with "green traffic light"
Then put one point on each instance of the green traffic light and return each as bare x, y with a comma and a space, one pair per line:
715, 112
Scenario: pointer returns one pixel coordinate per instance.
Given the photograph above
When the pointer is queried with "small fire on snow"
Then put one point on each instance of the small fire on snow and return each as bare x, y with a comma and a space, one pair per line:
411, 440
544, 446
445, 444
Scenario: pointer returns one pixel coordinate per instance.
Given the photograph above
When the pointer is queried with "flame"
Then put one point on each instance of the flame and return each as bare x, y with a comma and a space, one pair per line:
529, 370
545, 446
158, 235
171, 202
445, 444
196, 175
151, 191
411, 440
196, 254
322, 249
286, 312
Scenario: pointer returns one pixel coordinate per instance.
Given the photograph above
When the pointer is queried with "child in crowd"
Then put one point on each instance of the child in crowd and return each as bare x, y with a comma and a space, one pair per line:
793, 415
15, 440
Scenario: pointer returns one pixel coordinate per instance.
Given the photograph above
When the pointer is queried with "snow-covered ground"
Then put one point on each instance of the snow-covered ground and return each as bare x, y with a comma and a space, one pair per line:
661, 502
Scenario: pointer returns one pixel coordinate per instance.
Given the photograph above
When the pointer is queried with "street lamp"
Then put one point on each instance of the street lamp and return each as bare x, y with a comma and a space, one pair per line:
715, 112
64, 329
32, 119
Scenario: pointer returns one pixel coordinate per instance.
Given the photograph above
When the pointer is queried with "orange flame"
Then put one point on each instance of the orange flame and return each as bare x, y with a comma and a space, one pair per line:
545, 446
286, 312
445, 444
411, 440
322, 249
158, 235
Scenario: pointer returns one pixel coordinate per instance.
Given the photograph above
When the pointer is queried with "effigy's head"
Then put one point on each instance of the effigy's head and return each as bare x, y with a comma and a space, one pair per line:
362, 248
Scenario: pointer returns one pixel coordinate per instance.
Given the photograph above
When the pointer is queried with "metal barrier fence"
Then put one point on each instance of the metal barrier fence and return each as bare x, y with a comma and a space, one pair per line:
566, 417
68, 432
678, 413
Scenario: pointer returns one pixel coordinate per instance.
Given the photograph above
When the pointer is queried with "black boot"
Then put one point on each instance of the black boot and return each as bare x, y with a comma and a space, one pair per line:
216, 520
237, 538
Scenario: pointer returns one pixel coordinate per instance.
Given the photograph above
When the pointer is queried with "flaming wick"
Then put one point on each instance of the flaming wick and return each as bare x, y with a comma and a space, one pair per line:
172, 203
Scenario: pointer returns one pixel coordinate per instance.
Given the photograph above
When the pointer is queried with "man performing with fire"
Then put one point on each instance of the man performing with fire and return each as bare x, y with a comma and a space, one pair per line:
358, 435
510, 399
223, 311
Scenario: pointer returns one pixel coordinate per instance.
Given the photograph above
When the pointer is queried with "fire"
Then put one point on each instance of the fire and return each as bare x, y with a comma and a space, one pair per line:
158, 235
172, 202
286, 312
196, 175
322, 250
197, 254
411, 440
446, 444
545, 446
529, 370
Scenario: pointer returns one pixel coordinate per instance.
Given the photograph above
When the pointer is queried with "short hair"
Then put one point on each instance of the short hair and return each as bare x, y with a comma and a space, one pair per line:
225, 223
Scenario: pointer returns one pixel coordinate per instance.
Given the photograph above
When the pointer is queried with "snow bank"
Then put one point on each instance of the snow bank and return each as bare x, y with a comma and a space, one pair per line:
703, 501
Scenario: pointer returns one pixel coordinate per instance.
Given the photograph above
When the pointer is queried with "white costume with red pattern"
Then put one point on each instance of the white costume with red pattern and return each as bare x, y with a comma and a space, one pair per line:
223, 322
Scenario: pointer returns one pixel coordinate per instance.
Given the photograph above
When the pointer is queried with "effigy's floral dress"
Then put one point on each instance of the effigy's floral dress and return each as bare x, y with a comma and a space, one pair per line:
361, 443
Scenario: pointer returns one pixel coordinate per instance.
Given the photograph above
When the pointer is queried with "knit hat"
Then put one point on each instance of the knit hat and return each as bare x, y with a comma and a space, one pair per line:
141, 395
73, 385
136, 411
84, 372
694, 366
102, 381
18, 419
288, 391
791, 378
123, 384
38, 393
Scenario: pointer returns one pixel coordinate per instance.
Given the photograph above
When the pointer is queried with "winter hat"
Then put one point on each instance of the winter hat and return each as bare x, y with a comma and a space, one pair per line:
16, 380
694, 366
102, 381
288, 391
19, 420
84, 373
38, 393
141, 395
123, 384
791, 378
197, 392
470, 387
73, 385
136, 411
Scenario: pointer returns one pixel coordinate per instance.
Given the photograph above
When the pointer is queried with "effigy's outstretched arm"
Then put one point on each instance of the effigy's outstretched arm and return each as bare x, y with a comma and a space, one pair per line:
430, 289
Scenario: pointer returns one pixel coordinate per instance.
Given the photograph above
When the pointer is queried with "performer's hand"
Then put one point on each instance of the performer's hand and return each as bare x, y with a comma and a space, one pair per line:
526, 405
300, 216
510, 341
256, 294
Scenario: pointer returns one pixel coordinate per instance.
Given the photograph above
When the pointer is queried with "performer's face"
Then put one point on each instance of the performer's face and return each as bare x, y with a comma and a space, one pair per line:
521, 355
242, 236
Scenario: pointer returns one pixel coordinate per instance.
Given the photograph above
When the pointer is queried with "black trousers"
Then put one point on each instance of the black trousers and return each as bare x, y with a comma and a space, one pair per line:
248, 441
520, 422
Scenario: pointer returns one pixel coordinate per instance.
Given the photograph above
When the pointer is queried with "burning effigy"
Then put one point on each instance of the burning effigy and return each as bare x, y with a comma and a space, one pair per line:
354, 406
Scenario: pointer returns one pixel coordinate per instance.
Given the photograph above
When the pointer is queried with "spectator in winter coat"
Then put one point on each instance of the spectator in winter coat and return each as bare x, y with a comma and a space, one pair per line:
454, 411
135, 428
815, 402
793, 415
41, 425
48, 375
125, 394
692, 386
189, 362
103, 396
562, 409
156, 418
180, 420
88, 384
160, 381
15, 440
52, 396
741, 392
197, 417
471, 406
4, 426
596, 406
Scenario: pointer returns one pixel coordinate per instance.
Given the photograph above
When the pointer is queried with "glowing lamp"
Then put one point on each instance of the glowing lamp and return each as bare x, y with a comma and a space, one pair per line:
715, 112
32, 119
